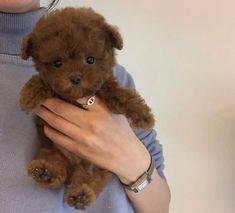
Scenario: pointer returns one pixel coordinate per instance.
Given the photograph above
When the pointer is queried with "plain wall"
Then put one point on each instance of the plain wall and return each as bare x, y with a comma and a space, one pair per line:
182, 57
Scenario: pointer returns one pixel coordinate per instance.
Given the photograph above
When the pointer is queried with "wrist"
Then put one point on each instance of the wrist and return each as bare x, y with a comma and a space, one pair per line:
136, 169
143, 181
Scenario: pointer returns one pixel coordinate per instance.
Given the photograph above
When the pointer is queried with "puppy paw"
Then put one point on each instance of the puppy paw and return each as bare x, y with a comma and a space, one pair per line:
29, 105
80, 197
143, 122
46, 174
33, 94
41, 174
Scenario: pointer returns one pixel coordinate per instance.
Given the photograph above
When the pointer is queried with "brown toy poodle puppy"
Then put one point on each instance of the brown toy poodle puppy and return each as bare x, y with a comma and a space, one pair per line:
74, 54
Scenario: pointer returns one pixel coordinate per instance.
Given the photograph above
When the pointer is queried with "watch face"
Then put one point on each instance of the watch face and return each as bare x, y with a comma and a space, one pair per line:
143, 185
144, 180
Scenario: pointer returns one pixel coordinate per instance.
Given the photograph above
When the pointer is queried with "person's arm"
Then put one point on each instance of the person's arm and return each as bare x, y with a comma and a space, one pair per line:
155, 198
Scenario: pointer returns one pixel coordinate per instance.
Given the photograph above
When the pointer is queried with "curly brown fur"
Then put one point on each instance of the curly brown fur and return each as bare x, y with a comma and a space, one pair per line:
128, 102
86, 182
34, 92
63, 46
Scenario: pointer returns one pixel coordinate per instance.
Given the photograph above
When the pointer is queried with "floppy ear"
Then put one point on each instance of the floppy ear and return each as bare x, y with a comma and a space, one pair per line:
114, 36
27, 47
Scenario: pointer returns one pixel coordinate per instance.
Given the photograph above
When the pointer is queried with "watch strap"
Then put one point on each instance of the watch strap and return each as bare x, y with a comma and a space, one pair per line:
143, 180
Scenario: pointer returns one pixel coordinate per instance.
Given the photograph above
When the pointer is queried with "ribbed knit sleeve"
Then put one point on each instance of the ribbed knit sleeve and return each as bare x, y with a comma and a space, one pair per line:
148, 138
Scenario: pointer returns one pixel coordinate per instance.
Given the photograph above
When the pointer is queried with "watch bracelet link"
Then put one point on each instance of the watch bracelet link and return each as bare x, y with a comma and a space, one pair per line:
143, 180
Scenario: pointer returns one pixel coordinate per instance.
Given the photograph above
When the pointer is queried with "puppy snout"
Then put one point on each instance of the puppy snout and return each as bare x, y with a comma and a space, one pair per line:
75, 79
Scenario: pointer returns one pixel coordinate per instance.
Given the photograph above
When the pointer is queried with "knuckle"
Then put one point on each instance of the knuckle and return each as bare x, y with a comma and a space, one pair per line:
95, 144
95, 126
88, 138
90, 143
92, 123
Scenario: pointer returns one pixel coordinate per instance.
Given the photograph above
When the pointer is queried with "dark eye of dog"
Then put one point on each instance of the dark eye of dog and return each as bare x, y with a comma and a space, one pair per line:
90, 60
57, 63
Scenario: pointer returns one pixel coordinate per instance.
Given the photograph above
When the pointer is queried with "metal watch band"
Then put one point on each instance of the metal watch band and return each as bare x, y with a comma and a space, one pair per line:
143, 179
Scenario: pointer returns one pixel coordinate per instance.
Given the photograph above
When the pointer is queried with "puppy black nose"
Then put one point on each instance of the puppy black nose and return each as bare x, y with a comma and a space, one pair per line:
75, 79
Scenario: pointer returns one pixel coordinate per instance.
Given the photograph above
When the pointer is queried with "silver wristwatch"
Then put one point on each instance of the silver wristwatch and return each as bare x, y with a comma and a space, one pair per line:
144, 180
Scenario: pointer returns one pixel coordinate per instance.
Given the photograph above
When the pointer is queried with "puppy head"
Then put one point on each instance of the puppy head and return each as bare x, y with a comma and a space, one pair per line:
73, 50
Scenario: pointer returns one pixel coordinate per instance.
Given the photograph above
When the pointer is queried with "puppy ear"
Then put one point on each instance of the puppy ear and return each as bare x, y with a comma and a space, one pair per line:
27, 47
114, 36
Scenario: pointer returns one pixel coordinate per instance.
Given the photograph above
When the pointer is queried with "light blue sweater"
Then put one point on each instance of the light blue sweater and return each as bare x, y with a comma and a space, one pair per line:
18, 141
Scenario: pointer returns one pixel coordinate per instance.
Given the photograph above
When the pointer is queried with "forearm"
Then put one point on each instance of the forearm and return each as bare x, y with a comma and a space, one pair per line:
154, 198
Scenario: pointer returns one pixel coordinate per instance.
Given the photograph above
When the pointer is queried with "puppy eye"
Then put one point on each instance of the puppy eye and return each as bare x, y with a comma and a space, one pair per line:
57, 63
90, 60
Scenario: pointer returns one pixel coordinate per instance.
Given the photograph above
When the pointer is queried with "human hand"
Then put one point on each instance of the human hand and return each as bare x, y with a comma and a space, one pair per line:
97, 135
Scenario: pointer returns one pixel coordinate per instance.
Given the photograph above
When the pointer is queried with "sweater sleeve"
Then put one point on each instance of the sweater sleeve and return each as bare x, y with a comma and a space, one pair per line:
148, 138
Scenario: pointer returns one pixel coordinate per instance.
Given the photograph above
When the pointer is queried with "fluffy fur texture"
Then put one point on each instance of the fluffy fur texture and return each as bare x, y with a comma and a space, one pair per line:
74, 53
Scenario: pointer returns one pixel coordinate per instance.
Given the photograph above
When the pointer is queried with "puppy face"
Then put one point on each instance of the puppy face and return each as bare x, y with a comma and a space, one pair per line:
73, 50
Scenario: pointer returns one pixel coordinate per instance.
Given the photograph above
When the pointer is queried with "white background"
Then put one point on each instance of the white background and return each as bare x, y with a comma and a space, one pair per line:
182, 57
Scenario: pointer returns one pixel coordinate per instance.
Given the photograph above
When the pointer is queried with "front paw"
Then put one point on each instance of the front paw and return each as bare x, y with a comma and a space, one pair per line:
143, 121
80, 197
46, 174
28, 104
33, 94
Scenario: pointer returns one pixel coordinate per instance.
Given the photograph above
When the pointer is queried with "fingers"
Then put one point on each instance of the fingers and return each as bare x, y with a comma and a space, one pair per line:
62, 140
59, 123
66, 110
73, 113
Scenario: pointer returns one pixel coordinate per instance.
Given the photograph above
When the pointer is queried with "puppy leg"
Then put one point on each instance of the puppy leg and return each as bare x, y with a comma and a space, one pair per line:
50, 167
86, 183
34, 93
128, 102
